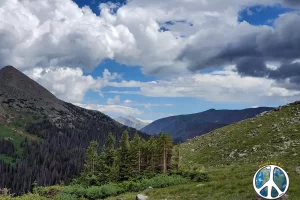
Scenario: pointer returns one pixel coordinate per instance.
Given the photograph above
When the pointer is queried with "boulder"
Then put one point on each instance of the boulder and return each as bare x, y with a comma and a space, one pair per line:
298, 169
141, 197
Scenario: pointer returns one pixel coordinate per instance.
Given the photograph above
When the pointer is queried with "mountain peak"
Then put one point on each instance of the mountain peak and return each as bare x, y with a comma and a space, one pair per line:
8, 68
15, 84
132, 122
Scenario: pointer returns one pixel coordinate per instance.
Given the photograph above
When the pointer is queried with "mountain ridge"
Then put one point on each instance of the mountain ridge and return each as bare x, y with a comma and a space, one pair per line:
183, 127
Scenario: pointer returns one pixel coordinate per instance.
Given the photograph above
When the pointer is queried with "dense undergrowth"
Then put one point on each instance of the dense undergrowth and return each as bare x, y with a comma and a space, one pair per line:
79, 192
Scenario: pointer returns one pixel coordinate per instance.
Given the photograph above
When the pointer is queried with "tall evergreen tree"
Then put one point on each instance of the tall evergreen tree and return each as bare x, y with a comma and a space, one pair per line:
166, 145
136, 153
176, 157
108, 160
89, 174
152, 154
92, 157
124, 163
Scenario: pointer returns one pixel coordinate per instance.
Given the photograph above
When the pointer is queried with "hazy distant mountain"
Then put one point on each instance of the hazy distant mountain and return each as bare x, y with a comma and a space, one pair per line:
132, 122
183, 127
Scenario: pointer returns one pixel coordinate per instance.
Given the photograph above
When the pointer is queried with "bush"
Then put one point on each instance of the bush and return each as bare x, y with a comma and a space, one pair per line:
24, 197
103, 191
112, 189
49, 192
65, 196
78, 190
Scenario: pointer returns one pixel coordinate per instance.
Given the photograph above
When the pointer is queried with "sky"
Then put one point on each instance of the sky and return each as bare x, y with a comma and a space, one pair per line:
153, 59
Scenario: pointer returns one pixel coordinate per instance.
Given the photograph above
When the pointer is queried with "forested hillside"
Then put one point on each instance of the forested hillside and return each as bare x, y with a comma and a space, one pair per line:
45, 137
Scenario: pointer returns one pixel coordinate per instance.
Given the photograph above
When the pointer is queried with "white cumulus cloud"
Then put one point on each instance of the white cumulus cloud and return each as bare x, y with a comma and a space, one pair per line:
69, 84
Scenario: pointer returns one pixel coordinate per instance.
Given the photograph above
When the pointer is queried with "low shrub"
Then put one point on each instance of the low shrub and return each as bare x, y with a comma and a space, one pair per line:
50, 191
65, 196
24, 197
72, 192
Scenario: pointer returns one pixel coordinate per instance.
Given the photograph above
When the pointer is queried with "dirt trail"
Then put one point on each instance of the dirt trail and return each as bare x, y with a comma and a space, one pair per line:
24, 134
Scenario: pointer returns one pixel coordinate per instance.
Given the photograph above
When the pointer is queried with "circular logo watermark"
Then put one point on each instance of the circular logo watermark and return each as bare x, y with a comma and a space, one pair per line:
271, 182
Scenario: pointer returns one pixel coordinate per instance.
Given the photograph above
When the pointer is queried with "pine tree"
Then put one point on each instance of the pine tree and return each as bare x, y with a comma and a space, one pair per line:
165, 145
108, 161
176, 157
136, 153
144, 155
109, 150
92, 158
152, 154
125, 168
89, 174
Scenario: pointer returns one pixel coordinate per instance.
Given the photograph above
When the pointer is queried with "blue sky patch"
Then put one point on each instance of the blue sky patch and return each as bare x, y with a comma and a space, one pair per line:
94, 4
262, 15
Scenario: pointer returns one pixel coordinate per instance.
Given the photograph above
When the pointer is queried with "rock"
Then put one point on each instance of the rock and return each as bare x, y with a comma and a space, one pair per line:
259, 125
263, 113
242, 155
231, 155
298, 169
255, 147
278, 109
253, 133
141, 197
296, 102
150, 187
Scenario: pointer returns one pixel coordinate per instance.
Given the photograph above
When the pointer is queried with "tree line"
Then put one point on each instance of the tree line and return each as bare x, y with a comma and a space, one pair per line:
127, 159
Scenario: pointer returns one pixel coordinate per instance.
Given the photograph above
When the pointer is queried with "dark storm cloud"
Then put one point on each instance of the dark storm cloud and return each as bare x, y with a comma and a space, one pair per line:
292, 2
291, 70
256, 67
252, 67
251, 51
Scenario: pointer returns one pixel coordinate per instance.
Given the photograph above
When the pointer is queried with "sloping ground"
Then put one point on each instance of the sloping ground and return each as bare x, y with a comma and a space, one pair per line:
231, 155
15, 137
271, 136
183, 127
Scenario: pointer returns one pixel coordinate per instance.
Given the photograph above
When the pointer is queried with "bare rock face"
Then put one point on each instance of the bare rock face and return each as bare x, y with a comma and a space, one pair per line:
298, 169
20, 94
19, 85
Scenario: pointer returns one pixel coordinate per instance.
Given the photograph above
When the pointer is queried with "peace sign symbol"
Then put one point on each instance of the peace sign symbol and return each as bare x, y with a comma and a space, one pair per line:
271, 182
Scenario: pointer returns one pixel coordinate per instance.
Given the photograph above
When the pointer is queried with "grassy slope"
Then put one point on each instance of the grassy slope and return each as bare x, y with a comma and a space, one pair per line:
17, 123
231, 156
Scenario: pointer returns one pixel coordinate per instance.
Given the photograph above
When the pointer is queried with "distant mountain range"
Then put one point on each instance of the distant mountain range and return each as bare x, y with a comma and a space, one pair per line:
132, 122
183, 127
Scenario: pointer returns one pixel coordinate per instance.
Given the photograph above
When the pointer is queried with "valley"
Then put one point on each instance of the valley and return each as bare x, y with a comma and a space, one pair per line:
49, 146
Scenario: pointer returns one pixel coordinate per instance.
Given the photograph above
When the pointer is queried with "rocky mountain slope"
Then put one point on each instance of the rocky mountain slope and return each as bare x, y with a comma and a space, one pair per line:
183, 127
49, 136
132, 122
272, 135
231, 155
